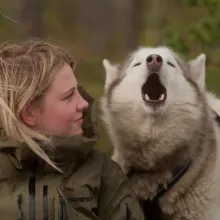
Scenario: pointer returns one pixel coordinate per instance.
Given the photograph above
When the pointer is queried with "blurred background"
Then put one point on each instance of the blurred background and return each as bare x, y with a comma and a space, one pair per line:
95, 29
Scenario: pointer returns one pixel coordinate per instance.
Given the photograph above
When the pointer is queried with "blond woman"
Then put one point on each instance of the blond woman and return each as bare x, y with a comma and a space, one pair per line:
48, 166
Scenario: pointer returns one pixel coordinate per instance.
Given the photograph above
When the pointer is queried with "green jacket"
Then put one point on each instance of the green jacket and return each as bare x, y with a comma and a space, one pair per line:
92, 187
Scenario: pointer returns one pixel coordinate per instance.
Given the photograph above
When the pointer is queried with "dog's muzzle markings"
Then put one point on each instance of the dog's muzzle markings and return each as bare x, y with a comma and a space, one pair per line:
153, 91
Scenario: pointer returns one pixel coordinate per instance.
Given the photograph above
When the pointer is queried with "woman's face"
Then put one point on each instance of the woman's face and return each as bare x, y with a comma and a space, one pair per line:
62, 106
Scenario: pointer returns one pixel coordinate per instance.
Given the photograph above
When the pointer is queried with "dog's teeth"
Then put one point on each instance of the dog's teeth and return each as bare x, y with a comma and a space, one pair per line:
147, 97
161, 97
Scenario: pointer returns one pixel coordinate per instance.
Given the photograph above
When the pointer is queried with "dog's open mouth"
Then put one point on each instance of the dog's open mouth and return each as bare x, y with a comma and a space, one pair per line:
153, 92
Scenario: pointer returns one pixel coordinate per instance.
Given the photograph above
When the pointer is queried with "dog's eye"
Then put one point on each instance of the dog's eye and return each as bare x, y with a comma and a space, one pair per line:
137, 64
170, 64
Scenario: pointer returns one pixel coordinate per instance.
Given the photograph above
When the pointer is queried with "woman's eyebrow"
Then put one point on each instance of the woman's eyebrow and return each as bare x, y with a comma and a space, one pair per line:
69, 90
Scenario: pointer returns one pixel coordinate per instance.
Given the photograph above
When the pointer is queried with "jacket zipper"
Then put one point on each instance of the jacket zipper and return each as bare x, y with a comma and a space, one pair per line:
32, 190
61, 209
19, 207
45, 202
128, 212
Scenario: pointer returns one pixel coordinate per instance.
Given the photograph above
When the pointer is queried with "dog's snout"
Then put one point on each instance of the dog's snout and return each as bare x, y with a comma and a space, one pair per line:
154, 60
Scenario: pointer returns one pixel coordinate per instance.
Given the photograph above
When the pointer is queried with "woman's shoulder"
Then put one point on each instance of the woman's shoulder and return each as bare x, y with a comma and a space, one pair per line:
102, 158
116, 197
106, 164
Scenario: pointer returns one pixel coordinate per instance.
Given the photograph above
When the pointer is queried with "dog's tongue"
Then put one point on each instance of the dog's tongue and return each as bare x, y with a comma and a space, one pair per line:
152, 89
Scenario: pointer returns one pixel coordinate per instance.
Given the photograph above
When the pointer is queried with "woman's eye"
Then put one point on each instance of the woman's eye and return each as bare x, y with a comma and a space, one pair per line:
170, 64
69, 96
137, 64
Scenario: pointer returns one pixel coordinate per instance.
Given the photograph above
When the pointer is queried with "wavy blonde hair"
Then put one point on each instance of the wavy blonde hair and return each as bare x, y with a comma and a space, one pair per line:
26, 71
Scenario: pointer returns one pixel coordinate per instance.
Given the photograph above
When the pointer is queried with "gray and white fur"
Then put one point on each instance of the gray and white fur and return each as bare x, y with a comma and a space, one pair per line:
155, 133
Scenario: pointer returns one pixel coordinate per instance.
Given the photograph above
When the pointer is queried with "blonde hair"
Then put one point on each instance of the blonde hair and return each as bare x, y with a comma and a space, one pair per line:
26, 71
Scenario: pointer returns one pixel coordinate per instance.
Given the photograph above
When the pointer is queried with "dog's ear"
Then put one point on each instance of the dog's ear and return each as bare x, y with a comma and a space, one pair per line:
111, 72
198, 69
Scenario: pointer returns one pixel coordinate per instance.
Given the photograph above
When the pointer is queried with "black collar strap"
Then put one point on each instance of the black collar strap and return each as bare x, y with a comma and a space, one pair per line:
217, 117
151, 208
177, 173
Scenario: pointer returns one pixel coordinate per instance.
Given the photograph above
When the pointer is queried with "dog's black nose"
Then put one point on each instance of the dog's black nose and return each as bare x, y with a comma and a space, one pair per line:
154, 60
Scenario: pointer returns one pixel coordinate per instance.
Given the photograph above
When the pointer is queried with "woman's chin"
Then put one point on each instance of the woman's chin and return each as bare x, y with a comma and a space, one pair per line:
78, 131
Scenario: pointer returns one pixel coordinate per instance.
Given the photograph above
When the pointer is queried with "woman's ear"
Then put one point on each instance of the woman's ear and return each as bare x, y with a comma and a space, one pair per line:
29, 115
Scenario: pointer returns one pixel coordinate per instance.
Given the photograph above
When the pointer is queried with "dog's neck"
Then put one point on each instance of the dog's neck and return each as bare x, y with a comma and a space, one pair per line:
150, 184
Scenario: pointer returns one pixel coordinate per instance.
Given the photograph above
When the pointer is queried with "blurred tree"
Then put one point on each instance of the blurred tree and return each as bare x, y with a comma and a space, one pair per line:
104, 27
31, 23
130, 22
204, 35
156, 20
8, 19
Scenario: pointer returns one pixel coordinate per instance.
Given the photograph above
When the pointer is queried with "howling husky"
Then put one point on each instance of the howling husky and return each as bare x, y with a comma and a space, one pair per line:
165, 131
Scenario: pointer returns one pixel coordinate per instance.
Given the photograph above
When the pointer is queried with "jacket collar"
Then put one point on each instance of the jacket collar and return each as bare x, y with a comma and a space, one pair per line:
66, 149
